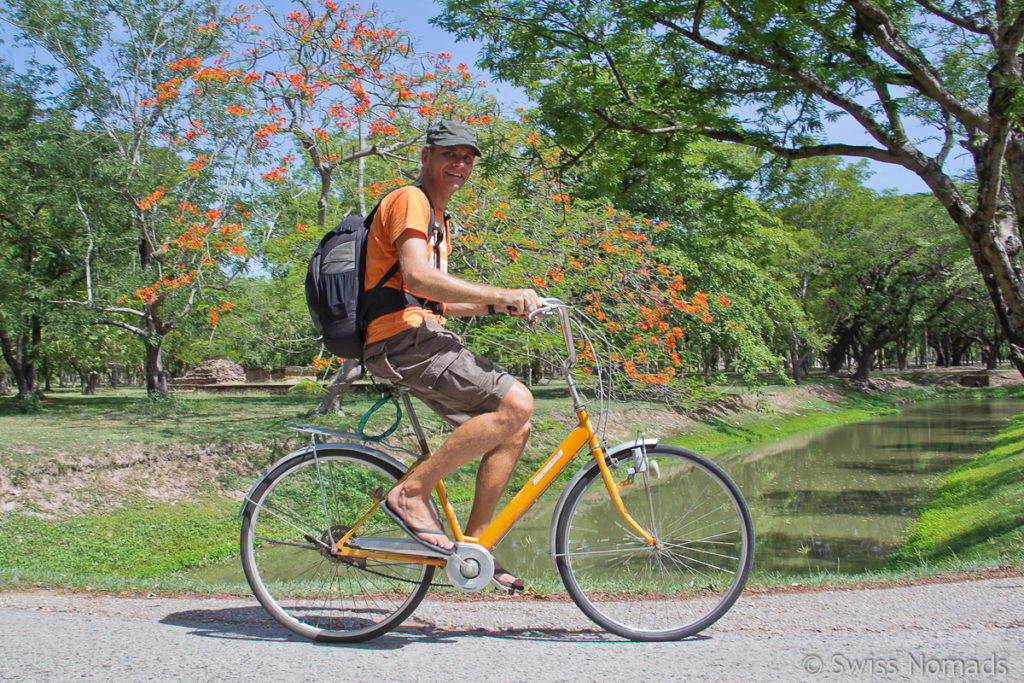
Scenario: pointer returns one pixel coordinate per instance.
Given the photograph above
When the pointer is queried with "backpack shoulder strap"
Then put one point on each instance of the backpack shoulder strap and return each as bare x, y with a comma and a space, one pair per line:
380, 299
431, 231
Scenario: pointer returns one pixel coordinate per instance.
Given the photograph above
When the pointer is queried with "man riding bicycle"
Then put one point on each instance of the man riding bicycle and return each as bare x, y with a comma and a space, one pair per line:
410, 347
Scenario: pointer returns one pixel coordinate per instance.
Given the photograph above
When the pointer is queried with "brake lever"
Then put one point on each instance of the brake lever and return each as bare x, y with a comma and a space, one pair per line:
547, 305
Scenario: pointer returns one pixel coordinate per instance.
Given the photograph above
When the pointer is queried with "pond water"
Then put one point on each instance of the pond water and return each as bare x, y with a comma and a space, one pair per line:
839, 500
836, 500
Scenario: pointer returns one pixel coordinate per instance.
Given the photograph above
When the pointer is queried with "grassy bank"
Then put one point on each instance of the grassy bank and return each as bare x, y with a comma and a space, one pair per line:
978, 514
116, 492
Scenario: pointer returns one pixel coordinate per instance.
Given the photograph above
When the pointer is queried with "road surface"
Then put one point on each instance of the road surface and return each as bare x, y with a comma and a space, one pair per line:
960, 631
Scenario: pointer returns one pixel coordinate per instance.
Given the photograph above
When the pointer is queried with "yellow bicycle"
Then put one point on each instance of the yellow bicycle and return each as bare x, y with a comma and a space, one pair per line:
652, 542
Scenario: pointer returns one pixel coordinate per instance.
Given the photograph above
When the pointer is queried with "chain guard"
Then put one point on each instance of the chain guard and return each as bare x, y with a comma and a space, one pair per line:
470, 567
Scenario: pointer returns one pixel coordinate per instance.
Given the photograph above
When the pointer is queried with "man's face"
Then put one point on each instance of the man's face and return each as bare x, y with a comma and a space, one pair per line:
448, 167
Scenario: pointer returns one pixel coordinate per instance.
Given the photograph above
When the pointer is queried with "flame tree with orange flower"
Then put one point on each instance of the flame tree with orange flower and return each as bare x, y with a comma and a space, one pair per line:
322, 89
523, 227
333, 103
149, 254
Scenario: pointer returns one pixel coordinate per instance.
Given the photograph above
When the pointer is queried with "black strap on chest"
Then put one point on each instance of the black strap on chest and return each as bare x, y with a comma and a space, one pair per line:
381, 300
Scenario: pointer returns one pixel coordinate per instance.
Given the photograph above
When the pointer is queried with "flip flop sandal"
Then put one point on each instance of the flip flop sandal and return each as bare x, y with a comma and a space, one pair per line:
415, 531
516, 584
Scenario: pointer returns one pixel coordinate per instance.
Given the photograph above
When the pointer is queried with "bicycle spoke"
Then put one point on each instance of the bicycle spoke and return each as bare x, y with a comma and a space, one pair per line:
681, 585
276, 541
289, 527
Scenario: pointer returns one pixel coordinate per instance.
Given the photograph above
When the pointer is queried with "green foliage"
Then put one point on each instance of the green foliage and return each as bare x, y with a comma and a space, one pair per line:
45, 166
590, 254
137, 267
184, 217
870, 268
777, 76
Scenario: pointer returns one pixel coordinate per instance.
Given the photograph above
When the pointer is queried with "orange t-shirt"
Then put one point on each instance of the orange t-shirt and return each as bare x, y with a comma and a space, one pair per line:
406, 208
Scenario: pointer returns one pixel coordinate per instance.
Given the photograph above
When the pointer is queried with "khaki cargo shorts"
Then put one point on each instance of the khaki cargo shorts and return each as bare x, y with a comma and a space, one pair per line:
439, 370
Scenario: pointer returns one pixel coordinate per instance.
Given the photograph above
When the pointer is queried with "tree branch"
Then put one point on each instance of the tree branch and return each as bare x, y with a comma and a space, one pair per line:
887, 36
89, 246
963, 22
801, 76
571, 161
808, 151
138, 331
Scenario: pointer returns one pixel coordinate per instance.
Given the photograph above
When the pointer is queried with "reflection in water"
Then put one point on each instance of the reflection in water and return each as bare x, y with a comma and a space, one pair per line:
841, 500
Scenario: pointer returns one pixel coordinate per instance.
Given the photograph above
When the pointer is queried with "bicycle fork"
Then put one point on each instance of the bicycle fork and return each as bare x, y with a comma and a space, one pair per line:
614, 492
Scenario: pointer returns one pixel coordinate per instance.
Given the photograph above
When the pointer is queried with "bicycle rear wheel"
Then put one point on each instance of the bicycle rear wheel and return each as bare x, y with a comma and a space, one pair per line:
689, 580
292, 519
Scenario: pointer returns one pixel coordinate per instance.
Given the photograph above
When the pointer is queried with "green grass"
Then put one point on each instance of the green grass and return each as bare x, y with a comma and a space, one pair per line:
143, 546
978, 513
138, 542
90, 422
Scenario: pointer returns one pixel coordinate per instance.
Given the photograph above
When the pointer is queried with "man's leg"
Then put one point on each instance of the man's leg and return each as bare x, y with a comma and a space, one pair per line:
492, 479
498, 436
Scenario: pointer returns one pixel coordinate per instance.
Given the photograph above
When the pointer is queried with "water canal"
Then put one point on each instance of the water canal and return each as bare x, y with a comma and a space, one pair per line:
839, 500
836, 500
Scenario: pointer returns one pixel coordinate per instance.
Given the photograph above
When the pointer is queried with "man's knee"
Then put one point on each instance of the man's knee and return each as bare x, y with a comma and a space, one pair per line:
517, 407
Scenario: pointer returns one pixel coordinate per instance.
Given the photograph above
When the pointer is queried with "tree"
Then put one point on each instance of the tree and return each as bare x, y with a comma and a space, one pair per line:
325, 88
716, 235
874, 268
109, 57
518, 224
773, 74
321, 91
44, 165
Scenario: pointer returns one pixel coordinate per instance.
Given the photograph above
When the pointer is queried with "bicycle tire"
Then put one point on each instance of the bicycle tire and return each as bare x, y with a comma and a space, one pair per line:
309, 591
706, 547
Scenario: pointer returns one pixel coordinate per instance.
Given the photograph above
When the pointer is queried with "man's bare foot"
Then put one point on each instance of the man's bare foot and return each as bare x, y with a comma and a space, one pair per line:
503, 578
417, 519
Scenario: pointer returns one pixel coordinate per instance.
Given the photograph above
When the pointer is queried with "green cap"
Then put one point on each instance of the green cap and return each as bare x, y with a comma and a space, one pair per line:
448, 133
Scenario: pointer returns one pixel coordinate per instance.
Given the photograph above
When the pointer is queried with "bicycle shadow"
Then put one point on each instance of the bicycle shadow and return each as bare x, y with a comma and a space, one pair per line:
253, 623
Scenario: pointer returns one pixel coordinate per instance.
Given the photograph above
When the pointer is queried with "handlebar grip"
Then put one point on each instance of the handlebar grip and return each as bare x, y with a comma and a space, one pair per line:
546, 305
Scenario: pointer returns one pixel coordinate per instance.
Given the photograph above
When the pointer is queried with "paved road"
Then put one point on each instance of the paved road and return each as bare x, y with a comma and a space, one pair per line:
941, 632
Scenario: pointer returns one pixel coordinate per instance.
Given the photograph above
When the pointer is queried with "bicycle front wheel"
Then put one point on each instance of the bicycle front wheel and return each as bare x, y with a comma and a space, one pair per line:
289, 524
697, 570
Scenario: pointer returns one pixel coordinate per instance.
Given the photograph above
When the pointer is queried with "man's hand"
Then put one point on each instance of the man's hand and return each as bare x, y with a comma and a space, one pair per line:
519, 302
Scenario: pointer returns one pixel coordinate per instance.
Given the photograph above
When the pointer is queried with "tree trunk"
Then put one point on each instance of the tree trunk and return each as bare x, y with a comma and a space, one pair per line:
88, 379
865, 359
711, 358
794, 357
340, 383
22, 365
991, 234
156, 379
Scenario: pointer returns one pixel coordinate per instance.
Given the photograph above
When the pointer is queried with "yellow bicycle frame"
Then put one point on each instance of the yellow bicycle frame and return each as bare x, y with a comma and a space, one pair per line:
582, 435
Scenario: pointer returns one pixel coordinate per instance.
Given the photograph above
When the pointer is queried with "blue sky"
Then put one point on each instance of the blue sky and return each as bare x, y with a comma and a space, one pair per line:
413, 16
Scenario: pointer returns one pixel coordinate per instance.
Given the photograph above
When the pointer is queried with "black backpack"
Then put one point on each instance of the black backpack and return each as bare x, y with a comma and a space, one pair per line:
339, 305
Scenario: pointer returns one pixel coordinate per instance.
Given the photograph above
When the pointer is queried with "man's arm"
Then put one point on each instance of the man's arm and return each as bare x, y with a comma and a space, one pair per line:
454, 310
461, 297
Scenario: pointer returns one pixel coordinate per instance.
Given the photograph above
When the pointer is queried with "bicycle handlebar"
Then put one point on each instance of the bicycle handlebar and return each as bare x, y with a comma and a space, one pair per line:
549, 305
